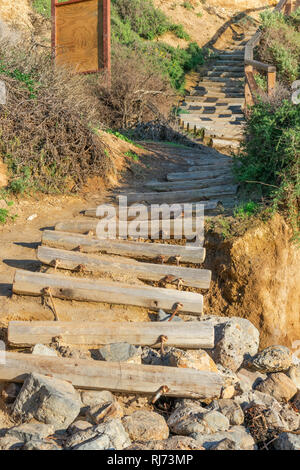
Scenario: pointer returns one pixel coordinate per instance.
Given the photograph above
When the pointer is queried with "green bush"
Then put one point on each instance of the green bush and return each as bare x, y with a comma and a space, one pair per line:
270, 156
280, 43
43, 7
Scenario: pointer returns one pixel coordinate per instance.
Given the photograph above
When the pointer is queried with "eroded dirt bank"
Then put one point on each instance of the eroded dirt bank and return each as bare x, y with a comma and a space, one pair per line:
257, 276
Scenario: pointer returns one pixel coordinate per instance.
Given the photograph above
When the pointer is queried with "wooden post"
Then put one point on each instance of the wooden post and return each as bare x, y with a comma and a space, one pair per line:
106, 38
271, 82
53, 28
288, 7
248, 95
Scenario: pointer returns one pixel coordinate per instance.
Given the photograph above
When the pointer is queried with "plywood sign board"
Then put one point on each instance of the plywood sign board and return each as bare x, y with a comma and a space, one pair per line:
81, 34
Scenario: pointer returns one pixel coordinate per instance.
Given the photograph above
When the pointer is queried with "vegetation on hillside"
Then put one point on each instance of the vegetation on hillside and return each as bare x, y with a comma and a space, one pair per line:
280, 43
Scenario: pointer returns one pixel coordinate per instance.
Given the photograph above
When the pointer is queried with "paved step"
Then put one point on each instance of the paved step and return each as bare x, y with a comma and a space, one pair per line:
213, 101
222, 143
216, 94
220, 86
225, 68
228, 74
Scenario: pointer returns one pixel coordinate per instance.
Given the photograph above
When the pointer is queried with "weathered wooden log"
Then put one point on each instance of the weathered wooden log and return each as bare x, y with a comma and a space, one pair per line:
166, 229
70, 288
197, 175
126, 213
190, 335
131, 249
182, 196
114, 376
191, 277
194, 184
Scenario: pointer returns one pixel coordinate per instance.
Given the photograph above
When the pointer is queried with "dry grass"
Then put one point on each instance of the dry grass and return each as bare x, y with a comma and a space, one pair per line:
48, 136
137, 93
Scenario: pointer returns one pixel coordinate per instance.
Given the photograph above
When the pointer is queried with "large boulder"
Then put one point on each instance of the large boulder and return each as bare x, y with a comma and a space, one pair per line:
230, 409
190, 417
48, 400
239, 434
144, 425
104, 436
279, 386
236, 341
33, 430
273, 359
95, 397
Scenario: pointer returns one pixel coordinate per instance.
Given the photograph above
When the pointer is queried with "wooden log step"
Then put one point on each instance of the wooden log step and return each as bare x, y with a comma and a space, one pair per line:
126, 213
131, 249
194, 184
114, 376
165, 229
198, 175
212, 167
189, 335
86, 290
199, 278
182, 196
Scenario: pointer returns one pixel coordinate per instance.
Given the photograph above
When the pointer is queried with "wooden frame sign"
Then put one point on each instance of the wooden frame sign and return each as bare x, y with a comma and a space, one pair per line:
81, 34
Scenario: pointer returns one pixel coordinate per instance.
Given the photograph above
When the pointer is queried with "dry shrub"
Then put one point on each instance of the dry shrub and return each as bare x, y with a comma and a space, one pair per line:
138, 92
47, 128
275, 99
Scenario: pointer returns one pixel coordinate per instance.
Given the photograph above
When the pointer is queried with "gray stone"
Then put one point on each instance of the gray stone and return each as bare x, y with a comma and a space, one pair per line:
33, 430
10, 443
287, 441
151, 357
189, 418
230, 409
240, 435
42, 350
163, 316
144, 425
104, 436
236, 341
279, 386
290, 418
230, 378
225, 444
47, 399
249, 379
120, 352
273, 359
193, 359
252, 398
94, 397
41, 445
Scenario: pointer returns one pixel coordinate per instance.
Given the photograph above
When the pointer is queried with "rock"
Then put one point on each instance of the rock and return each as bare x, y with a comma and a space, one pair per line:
189, 418
228, 392
290, 418
279, 386
2, 92
104, 436
272, 359
79, 425
197, 359
230, 409
240, 435
173, 443
225, 444
33, 430
108, 410
163, 316
10, 392
41, 445
42, 350
145, 425
47, 399
294, 375
121, 352
236, 340
151, 357
230, 378
249, 379
10, 443
248, 399
287, 441
94, 397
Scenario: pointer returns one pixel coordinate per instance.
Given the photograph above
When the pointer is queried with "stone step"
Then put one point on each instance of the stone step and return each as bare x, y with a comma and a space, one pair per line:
226, 68
220, 86
213, 101
208, 110
222, 143
216, 94
230, 56
232, 80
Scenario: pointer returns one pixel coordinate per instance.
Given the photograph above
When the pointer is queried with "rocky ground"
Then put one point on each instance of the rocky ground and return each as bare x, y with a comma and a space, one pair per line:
258, 408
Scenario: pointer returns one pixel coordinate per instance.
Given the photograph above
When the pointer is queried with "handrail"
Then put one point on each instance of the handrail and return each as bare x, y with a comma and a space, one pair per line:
251, 89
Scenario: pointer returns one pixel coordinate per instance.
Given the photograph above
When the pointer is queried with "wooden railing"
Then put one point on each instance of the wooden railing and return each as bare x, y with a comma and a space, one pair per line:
253, 66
